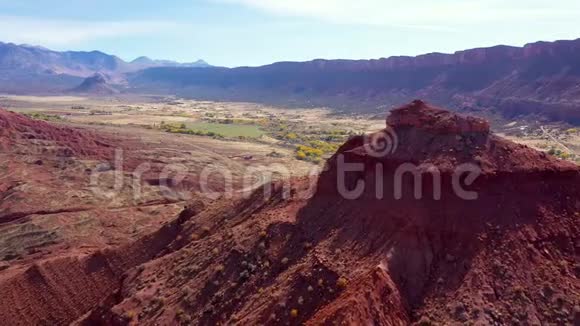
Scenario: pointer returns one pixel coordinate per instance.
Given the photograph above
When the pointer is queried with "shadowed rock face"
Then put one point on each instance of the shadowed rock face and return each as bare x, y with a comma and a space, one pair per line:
436, 238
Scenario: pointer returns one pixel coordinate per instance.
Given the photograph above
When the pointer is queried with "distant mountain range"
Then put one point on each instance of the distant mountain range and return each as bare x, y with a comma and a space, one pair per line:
35, 59
31, 69
540, 80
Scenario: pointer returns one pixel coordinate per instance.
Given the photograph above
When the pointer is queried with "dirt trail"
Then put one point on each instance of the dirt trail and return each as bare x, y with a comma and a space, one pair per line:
554, 139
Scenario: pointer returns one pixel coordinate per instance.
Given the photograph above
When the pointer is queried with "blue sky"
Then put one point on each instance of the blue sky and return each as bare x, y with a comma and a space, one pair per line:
255, 32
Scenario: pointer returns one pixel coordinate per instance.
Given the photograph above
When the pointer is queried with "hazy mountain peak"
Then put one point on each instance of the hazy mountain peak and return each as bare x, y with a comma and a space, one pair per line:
201, 62
31, 60
148, 62
142, 59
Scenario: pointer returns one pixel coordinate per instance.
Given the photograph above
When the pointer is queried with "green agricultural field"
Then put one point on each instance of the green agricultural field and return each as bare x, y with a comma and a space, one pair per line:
227, 130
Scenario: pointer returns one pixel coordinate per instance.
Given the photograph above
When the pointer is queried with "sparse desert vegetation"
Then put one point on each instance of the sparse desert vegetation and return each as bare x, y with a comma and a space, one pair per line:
311, 135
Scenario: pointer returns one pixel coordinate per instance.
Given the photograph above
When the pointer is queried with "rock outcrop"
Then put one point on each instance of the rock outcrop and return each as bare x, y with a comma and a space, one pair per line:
444, 223
98, 84
509, 254
422, 116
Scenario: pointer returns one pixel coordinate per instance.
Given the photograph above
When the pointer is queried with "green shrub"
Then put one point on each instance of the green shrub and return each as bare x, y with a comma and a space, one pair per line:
291, 136
44, 117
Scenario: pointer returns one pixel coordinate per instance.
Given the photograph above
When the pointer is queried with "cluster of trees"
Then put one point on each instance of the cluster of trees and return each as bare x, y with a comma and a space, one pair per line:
310, 135
231, 121
315, 150
338, 136
561, 154
181, 128
307, 153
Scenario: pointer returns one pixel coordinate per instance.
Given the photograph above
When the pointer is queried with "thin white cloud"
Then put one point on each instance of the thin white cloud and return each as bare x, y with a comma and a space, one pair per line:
436, 14
67, 32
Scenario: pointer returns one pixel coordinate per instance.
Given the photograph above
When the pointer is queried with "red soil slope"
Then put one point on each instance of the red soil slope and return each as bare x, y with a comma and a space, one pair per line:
32, 153
60, 290
16, 129
508, 256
